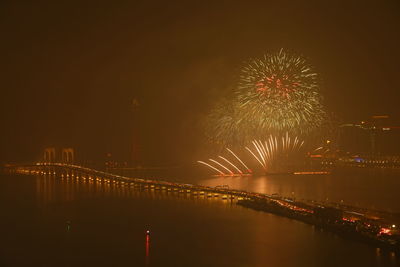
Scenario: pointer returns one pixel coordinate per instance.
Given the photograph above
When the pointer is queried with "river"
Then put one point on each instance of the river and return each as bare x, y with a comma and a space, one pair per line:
54, 221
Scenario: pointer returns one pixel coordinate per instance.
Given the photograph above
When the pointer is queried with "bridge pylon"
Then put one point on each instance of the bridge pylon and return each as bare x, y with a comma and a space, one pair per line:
49, 155
67, 155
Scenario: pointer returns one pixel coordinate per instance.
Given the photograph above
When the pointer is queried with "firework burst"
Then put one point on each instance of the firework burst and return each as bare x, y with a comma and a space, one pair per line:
277, 93
226, 126
280, 93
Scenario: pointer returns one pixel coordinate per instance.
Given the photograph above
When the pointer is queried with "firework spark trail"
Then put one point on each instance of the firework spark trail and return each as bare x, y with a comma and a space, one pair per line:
263, 149
212, 167
284, 143
231, 172
259, 152
234, 166
302, 143
256, 157
271, 144
239, 160
268, 153
269, 150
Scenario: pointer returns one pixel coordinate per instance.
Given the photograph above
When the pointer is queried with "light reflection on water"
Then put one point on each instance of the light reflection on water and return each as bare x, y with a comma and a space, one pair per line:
106, 225
50, 188
372, 188
363, 190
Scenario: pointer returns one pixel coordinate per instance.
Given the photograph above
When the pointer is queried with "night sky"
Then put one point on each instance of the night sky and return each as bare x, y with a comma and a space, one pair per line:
70, 70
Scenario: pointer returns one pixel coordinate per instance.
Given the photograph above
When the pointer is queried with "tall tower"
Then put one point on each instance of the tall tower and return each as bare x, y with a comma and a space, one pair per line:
135, 156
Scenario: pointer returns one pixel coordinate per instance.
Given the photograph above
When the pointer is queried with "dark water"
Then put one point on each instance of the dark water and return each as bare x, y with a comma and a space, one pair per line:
369, 190
372, 188
46, 221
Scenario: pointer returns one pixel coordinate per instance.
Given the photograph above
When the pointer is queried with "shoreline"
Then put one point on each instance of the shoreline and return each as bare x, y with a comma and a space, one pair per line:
362, 230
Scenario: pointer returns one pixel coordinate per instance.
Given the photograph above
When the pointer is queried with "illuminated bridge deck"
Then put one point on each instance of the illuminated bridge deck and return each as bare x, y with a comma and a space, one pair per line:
76, 171
303, 211
224, 192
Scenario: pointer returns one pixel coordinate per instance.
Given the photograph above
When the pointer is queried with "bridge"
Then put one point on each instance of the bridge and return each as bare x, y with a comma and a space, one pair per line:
68, 170
88, 174
333, 217
223, 192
